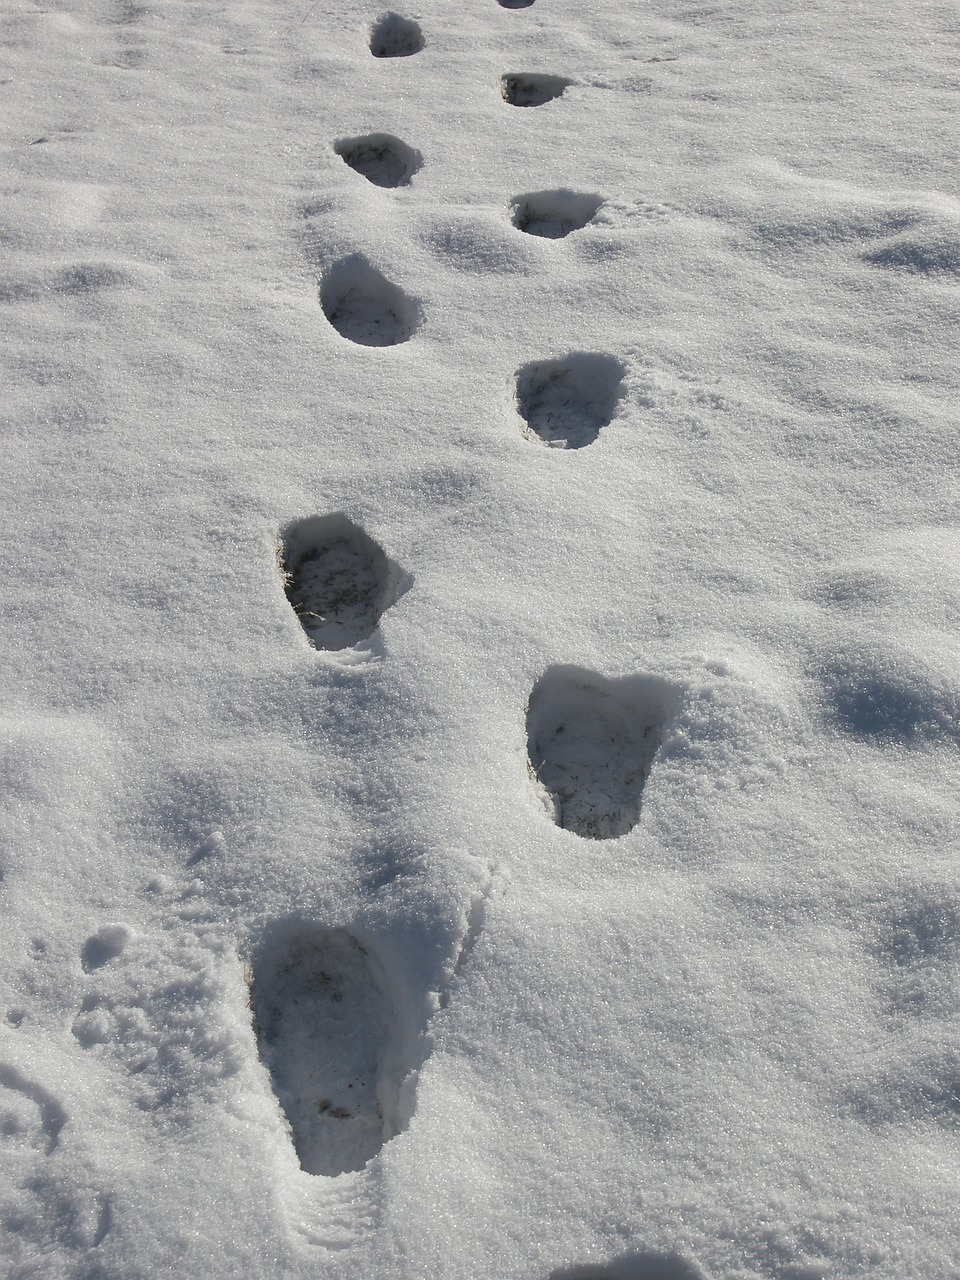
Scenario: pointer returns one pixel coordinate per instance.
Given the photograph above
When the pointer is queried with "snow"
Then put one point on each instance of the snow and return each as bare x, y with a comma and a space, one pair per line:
602, 831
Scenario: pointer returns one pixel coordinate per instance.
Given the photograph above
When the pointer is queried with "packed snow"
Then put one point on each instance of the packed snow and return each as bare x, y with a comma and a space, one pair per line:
481, 694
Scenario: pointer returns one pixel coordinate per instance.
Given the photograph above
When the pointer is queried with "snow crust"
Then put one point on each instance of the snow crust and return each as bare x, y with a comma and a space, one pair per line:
264, 269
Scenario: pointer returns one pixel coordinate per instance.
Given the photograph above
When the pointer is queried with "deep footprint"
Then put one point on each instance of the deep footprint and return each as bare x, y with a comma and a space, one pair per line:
553, 214
527, 89
646, 1265
591, 743
566, 403
381, 158
395, 37
324, 1024
364, 307
337, 579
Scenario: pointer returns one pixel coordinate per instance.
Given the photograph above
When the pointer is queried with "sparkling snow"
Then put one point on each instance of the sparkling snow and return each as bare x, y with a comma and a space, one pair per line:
481, 691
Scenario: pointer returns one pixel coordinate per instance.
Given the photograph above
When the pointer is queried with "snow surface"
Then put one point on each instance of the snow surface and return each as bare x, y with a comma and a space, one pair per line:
688, 471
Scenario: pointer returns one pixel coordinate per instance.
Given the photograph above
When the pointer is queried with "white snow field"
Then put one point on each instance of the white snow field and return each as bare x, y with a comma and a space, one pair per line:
480, 708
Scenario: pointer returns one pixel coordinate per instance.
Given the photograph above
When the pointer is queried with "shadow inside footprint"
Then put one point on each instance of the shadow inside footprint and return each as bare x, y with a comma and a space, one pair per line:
514, 4
566, 403
338, 580
645, 1265
380, 158
591, 743
395, 37
364, 307
553, 214
324, 1025
528, 89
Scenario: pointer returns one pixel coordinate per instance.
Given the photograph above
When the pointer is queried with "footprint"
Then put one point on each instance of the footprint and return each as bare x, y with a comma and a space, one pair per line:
528, 89
325, 1026
566, 403
476, 244
338, 580
884, 695
29, 1112
51, 1209
936, 253
126, 59
921, 932
127, 12
553, 214
914, 1084
380, 158
591, 744
364, 307
648, 1264
89, 277
395, 37
917, 943
514, 4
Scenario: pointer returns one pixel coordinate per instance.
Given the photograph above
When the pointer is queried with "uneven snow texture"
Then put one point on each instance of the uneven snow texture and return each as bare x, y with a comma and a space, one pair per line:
385, 392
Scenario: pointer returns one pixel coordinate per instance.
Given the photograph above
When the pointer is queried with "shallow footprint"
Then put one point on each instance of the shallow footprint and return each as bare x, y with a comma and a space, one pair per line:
553, 214
29, 1113
338, 580
888, 695
364, 307
566, 403
324, 1024
395, 37
381, 158
591, 743
528, 89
